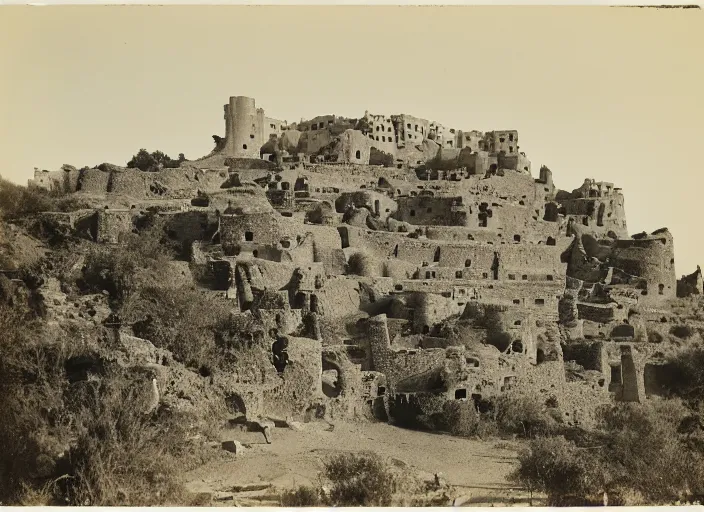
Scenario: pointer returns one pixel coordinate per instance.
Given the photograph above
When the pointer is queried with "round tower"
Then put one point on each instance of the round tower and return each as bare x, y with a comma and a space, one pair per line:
242, 130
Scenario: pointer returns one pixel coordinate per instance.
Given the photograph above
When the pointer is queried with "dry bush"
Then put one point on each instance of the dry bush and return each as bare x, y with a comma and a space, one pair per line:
181, 320
685, 376
120, 270
558, 468
18, 201
522, 415
462, 419
359, 480
81, 442
122, 456
682, 331
640, 452
303, 496
361, 264
647, 452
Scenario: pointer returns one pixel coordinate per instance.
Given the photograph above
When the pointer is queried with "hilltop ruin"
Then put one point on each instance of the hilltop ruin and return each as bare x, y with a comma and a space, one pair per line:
450, 272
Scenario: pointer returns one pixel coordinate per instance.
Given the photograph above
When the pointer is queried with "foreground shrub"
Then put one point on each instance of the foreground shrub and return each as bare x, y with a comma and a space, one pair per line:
644, 451
304, 496
86, 440
640, 453
359, 480
121, 455
558, 468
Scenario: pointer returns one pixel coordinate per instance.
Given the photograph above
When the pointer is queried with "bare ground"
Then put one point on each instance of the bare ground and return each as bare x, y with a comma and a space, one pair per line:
477, 470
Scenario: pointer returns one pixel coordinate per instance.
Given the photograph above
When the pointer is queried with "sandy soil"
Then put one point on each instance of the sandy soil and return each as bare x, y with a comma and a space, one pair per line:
477, 469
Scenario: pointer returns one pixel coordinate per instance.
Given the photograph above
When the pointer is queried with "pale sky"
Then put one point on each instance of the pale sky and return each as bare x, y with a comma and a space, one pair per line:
613, 94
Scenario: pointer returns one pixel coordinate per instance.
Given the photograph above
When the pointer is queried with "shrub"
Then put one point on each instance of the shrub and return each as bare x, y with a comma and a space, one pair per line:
639, 452
518, 414
462, 419
122, 269
682, 331
304, 496
378, 157
557, 467
150, 162
179, 319
360, 264
18, 201
644, 451
86, 442
122, 456
359, 480
686, 373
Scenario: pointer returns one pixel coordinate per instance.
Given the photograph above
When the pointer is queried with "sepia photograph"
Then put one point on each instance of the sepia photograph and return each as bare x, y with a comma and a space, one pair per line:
351, 256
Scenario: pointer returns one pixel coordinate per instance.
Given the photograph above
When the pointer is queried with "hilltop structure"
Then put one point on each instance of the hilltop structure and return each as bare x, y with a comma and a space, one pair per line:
456, 273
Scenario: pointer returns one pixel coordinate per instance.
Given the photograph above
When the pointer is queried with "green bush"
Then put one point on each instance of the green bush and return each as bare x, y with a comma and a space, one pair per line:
359, 480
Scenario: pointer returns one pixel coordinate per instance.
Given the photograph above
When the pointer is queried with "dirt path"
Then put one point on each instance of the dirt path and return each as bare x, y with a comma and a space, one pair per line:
478, 468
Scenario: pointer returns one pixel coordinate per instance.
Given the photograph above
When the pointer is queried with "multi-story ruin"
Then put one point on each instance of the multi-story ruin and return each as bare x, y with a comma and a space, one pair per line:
456, 274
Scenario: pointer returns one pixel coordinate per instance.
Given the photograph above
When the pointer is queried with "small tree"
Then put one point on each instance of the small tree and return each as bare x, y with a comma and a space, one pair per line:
151, 162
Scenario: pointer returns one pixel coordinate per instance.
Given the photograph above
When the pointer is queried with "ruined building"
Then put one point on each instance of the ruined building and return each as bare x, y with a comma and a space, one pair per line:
454, 272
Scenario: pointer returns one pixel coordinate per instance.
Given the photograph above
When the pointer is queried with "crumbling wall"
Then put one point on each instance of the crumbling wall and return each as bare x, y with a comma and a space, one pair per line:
692, 284
114, 223
651, 258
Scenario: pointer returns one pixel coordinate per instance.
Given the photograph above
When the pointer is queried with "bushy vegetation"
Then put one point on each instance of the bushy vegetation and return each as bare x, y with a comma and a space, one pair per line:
462, 419
122, 269
639, 454
507, 415
378, 157
18, 201
303, 496
361, 264
179, 319
353, 480
151, 162
523, 416
682, 331
686, 374
86, 442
